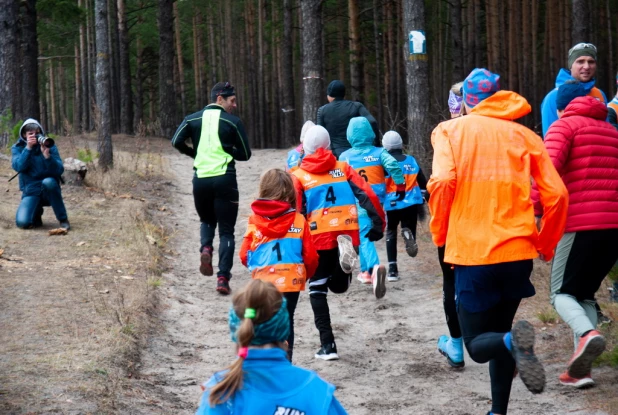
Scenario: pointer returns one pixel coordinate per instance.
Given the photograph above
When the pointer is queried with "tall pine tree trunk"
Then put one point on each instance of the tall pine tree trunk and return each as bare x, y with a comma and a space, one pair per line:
181, 69
126, 96
378, 76
287, 75
29, 65
77, 106
580, 18
312, 57
83, 53
138, 117
417, 83
456, 35
9, 62
167, 99
104, 136
356, 58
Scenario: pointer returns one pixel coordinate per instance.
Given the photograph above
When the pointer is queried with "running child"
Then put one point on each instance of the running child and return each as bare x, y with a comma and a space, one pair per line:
296, 154
277, 246
262, 380
372, 164
406, 210
327, 190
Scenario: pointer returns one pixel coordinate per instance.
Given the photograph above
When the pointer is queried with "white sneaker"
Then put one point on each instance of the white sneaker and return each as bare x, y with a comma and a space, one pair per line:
364, 278
347, 253
379, 281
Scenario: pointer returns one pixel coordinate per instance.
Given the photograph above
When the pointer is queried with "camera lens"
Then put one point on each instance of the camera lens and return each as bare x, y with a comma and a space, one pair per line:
45, 141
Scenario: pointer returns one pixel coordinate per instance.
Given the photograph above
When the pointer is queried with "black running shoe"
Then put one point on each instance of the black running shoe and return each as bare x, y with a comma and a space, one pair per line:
327, 352
530, 369
393, 273
410, 242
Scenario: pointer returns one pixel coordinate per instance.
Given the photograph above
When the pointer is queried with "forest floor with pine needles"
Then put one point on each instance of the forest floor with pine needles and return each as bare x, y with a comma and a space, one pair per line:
116, 318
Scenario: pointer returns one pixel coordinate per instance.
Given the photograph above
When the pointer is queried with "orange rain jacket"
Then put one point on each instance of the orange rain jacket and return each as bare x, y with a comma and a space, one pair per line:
480, 186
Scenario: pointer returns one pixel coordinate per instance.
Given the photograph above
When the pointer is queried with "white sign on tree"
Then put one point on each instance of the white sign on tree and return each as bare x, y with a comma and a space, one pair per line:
417, 42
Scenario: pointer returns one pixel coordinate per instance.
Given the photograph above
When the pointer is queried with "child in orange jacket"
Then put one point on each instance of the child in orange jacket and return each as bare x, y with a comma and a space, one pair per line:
277, 246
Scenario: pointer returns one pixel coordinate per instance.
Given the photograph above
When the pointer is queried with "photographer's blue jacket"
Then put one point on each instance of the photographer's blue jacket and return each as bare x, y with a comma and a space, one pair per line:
272, 385
32, 166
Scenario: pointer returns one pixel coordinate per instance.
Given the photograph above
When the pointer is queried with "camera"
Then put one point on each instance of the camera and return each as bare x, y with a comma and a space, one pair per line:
45, 141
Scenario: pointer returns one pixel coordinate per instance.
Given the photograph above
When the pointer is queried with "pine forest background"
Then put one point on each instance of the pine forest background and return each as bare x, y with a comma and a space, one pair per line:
160, 58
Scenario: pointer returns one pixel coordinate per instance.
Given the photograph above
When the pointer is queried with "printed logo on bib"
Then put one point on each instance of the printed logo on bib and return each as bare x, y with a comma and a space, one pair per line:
294, 230
334, 222
282, 410
370, 159
408, 167
336, 173
280, 281
353, 211
313, 226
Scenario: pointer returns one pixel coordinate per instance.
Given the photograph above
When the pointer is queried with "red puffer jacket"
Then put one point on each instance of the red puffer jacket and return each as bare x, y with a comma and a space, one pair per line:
584, 149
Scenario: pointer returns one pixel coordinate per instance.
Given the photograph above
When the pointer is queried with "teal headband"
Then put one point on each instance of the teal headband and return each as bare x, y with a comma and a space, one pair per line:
277, 329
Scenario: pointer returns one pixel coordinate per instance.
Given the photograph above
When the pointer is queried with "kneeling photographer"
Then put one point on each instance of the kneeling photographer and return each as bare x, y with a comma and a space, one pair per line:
37, 161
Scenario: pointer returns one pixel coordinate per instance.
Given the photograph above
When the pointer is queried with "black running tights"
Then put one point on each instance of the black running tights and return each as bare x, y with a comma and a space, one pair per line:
448, 296
483, 335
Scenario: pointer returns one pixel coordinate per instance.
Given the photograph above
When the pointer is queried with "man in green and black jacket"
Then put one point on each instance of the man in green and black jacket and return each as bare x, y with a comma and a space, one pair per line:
218, 139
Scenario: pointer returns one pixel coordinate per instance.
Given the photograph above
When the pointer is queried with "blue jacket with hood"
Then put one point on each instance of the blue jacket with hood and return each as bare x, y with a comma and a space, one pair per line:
272, 385
32, 166
360, 136
548, 106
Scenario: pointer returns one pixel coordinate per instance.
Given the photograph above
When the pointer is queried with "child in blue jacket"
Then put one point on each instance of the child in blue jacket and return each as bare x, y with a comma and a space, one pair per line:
262, 380
373, 164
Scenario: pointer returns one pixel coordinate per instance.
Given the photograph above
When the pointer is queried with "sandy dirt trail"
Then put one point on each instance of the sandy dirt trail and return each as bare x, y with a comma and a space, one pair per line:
389, 363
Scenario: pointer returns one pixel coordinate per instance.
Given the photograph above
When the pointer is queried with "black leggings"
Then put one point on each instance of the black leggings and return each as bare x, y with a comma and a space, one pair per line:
328, 276
448, 296
292, 301
407, 217
216, 202
483, 334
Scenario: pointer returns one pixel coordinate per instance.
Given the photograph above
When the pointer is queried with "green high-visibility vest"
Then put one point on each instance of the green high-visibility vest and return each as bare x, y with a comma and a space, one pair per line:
210, 159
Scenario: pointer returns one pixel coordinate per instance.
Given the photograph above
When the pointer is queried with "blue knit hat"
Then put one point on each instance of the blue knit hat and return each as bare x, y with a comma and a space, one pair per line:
479, 85
568, 92
277, 329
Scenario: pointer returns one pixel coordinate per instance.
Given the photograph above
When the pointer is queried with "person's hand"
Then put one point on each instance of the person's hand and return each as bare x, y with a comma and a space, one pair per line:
30, 140
45, 151
401, 191
374, 235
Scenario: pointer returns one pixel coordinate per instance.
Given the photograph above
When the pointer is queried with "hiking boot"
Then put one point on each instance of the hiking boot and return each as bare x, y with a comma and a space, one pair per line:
393, 273
64, 224
452, 349
580, 383
378, 278
602, 319
327, 352
223, 285
347, 253
38, 218
410, 242
613, 295
589, 348
206, 261
364, 278
530, 369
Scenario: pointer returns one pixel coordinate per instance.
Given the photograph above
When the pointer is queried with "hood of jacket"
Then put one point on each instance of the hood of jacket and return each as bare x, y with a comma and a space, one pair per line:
272, 217
565, 75
359, 133
319, 162
506, 105
29, 121
587, 107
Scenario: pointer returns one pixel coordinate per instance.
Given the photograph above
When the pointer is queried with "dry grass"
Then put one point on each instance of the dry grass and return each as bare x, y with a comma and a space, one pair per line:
76, 308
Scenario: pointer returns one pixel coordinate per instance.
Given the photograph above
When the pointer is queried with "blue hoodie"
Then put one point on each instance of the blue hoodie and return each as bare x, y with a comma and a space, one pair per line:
272, 385
32, 166
360, 136
548, 106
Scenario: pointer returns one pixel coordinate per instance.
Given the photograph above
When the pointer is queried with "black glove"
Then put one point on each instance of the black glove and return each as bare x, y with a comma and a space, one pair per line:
374, 235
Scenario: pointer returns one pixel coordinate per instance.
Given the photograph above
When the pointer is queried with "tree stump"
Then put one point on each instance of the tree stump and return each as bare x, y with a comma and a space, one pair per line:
74, 171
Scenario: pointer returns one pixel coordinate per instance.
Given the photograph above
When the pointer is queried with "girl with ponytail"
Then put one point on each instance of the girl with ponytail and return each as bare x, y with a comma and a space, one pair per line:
262, 380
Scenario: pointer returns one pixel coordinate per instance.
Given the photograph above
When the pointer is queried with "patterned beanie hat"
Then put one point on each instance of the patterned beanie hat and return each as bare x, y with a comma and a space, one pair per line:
454, 102
479, 85
277, 329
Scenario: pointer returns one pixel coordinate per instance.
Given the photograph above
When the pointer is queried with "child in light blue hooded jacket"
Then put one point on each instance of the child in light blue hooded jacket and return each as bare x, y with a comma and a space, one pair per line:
373, 164
262, 380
